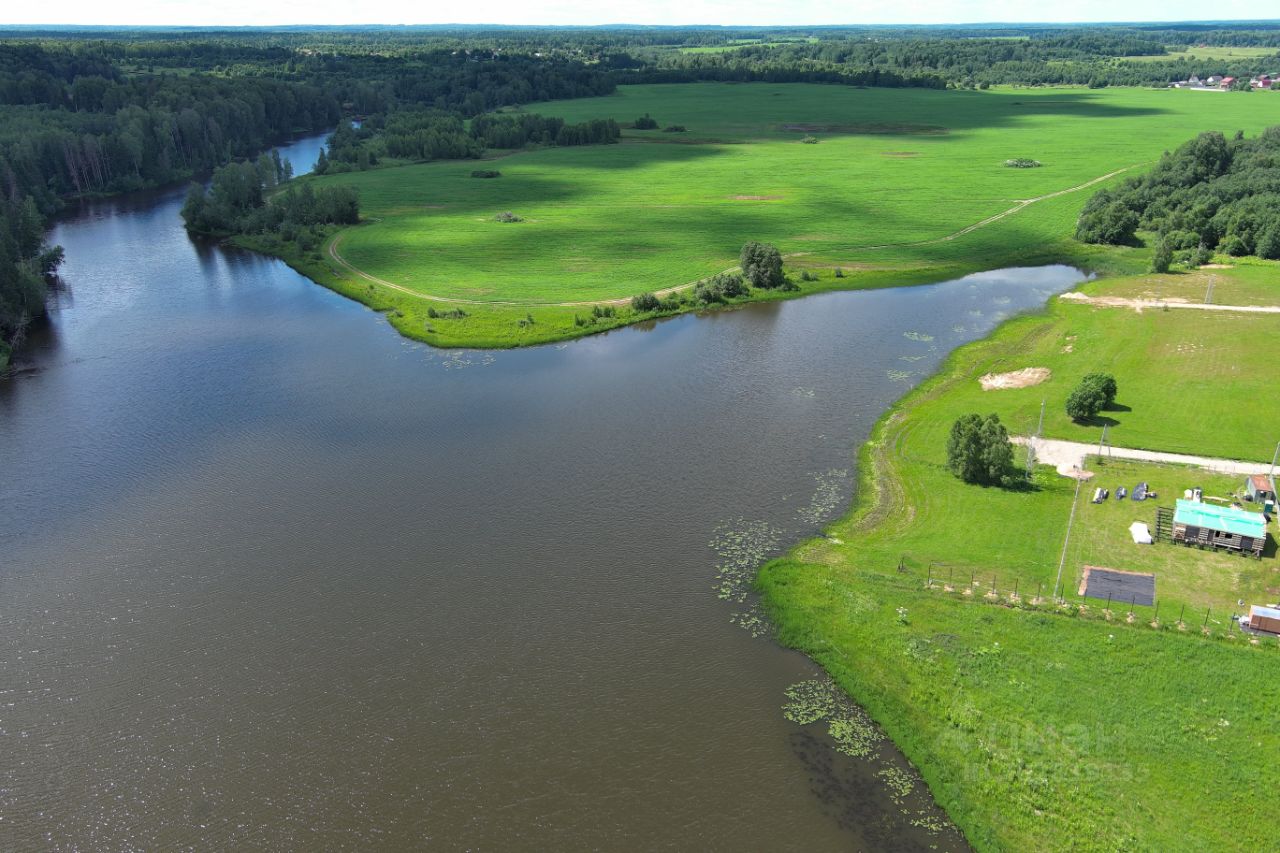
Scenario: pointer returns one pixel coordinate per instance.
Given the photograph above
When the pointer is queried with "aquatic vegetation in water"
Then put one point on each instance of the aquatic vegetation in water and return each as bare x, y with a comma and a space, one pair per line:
819, 700
900, 375
832, 487
809, 701
742, 547
802, 392
899, 782
917, 336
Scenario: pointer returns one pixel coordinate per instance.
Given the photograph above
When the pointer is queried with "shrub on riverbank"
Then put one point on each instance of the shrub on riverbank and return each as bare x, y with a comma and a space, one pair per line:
761, 265
720, 288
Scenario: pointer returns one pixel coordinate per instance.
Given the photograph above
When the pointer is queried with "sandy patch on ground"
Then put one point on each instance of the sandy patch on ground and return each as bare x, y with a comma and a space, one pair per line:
756, 197
1165, 303
1068, 470
1217, 266
900, 153
1024, 378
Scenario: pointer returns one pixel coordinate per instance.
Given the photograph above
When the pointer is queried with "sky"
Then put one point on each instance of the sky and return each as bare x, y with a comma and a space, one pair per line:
586, 12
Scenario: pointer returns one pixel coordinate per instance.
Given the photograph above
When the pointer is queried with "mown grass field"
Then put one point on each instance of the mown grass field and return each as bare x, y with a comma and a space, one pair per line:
893, 174
1046, 727
1248, 282
1190, 381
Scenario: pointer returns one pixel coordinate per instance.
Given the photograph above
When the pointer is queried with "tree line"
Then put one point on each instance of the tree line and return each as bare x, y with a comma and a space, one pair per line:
423, 135
1211, 193
240, 200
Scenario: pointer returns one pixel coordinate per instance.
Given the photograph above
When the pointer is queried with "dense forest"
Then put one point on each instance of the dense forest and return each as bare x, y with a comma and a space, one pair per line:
96, 111
1212, 193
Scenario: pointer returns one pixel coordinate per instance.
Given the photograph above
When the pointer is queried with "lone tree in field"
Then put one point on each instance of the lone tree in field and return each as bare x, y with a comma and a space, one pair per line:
762, 265
1095, 392
979, 450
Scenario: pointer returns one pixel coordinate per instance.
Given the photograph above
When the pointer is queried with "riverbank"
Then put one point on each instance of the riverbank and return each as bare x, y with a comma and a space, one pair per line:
473, 324
1040, 726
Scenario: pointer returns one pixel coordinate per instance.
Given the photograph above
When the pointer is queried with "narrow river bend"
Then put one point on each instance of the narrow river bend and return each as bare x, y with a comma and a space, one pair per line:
273, 577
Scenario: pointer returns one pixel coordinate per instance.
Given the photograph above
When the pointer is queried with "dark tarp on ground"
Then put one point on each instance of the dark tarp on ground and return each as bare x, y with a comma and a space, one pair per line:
1123, 587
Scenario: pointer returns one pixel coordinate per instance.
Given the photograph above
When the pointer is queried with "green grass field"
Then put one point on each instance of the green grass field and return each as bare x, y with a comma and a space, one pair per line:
1248, 282
1036, 726
1211, 52
894, 174
1176, 369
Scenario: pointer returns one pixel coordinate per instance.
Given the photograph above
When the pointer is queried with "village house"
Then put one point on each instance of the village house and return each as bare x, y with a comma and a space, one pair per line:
1209, 525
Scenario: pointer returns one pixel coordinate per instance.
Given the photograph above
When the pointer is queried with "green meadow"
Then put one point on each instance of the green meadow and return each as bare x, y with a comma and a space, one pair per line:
1046, 726
1191, 381
886, 194
1209, 53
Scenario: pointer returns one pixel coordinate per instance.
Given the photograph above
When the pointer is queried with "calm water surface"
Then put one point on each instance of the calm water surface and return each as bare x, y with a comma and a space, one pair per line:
273, 577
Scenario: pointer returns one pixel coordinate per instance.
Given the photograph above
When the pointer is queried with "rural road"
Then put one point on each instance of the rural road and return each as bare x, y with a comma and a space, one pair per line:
1022, 204
1066, 455
1140, 304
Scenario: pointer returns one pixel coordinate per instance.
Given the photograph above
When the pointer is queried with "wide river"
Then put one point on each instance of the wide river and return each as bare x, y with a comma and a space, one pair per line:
272, 576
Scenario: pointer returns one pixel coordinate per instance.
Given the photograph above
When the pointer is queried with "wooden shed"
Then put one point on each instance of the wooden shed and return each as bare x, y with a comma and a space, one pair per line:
1264, 619
1209, 525
1260, 488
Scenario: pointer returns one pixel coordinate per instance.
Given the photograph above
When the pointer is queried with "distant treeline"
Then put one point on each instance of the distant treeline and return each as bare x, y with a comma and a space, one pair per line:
1079, 58
66, 132
732, 68
1213, 192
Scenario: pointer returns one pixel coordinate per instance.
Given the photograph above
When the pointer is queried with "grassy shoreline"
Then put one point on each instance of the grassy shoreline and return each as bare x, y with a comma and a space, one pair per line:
901, 187
499, 326
1035, 726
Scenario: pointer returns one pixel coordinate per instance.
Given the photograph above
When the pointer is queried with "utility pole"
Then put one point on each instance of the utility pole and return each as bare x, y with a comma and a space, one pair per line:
1070, 520
1031, 445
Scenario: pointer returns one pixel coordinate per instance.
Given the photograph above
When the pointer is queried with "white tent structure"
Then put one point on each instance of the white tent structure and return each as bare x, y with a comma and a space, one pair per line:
1141, 533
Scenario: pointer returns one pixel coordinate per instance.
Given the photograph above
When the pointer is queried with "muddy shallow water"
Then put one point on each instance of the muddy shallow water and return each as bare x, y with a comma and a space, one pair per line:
272, 576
